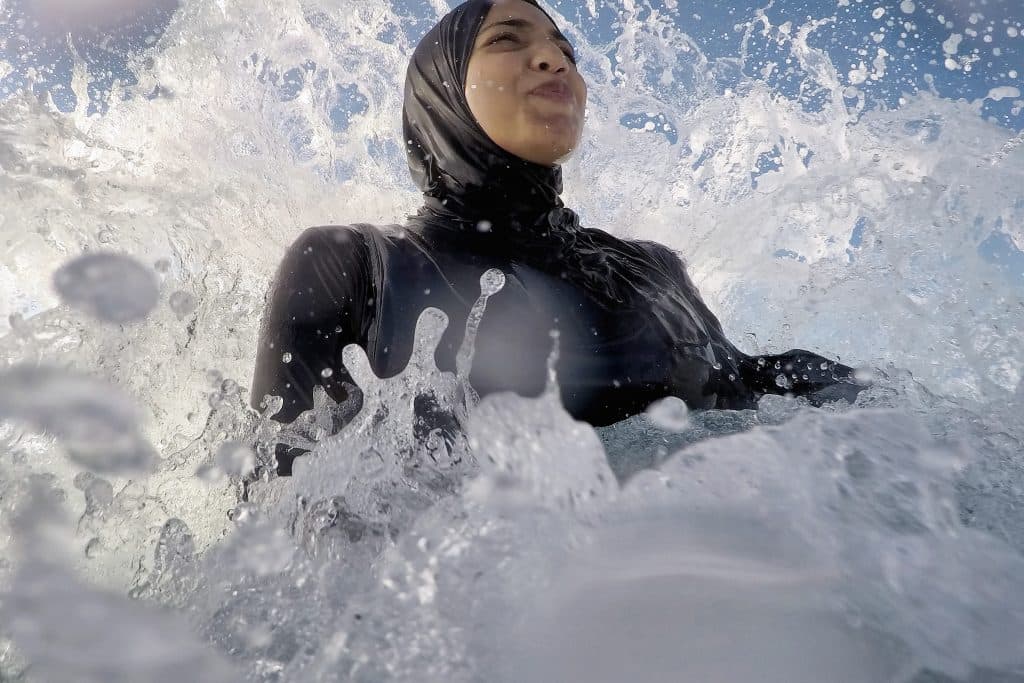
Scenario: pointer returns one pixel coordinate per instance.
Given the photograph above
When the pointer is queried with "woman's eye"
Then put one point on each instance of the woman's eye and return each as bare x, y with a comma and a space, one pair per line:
515, 39
504, 36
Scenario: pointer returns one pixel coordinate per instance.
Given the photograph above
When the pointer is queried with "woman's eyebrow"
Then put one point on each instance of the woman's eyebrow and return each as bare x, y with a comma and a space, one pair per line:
523, 23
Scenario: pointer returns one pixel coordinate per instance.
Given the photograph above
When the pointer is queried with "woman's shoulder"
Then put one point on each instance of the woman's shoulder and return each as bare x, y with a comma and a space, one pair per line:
662, 254
660, 251
353, 235
353, 240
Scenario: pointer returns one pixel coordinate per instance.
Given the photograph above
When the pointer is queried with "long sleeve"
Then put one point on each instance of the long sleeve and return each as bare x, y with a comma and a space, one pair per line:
321, 300
796, 372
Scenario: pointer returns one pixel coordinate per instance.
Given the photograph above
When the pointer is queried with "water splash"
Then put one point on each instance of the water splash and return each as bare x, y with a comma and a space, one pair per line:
399, 551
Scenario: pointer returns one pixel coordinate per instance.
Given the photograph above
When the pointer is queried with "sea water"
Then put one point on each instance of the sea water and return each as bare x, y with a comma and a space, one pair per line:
840, 200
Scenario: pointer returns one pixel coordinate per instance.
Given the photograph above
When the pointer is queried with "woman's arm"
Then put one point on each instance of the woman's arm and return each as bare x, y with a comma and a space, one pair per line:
321, 300
796, 372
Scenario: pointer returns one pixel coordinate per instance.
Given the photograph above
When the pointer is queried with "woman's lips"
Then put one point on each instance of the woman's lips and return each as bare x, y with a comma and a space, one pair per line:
557, 92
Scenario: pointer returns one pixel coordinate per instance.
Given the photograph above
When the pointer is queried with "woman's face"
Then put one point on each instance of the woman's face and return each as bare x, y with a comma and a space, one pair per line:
523, 86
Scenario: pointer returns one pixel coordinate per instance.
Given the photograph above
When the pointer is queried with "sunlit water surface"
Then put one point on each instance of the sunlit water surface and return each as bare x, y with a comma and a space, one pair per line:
880, 542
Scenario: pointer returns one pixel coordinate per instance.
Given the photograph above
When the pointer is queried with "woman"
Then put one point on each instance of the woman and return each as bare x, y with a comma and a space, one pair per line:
493, 102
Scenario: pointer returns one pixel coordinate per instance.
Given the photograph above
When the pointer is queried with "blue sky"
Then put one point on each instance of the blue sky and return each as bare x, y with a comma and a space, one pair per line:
912, 34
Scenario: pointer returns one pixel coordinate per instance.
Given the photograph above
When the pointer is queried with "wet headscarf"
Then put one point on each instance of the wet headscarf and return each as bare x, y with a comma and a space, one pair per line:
461, 171
467, 178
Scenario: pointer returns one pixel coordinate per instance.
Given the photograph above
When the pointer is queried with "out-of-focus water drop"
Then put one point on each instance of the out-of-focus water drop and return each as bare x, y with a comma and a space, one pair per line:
111, 287
96, 424
670, 414
183, 304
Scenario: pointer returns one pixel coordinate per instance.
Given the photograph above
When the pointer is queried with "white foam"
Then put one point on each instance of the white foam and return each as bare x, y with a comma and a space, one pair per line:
869, 237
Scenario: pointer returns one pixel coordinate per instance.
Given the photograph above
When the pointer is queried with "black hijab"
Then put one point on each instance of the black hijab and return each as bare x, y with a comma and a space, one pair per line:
463, 174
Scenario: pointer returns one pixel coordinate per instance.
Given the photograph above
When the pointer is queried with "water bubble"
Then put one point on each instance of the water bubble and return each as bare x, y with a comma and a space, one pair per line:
183, 303
326, 372
106, 235
96, 423
670, 414
286, 357
112, 287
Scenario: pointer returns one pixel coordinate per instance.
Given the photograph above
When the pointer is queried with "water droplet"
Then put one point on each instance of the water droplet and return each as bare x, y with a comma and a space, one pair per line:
326, 372
111, 287
106, 235
783, 382
95, 421
286, 358
670, 414
183, 303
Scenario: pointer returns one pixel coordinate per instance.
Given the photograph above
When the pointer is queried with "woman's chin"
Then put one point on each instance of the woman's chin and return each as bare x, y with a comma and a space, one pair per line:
555, 155
555, 150
566, 156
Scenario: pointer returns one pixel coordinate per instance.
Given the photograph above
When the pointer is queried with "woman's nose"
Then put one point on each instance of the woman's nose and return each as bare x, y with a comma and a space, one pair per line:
549, 57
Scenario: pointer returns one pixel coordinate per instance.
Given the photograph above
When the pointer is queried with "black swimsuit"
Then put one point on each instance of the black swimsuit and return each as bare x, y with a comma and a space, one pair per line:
368, 286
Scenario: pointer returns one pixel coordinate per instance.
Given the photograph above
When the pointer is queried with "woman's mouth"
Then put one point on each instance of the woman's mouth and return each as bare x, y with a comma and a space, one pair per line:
556, 91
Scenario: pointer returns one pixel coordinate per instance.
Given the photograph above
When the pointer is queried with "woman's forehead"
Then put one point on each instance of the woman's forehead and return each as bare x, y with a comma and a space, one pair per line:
529, 14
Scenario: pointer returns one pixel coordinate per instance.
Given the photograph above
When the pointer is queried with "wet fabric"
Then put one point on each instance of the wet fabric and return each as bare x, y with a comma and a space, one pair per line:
632, 326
